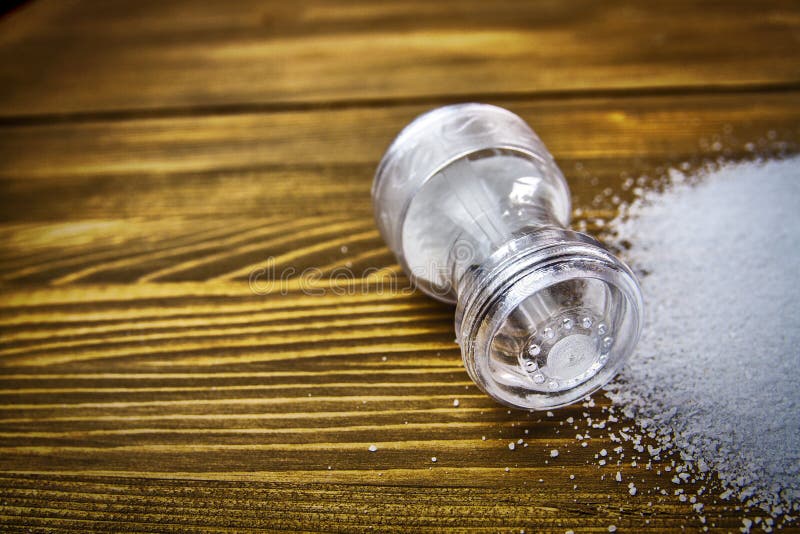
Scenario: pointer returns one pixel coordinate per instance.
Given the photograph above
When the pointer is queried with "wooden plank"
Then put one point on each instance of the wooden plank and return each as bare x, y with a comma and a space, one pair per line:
64, 57
197, 198
260, 164
142, 388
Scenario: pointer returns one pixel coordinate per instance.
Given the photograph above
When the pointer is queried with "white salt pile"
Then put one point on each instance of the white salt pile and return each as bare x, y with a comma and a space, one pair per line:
716, 375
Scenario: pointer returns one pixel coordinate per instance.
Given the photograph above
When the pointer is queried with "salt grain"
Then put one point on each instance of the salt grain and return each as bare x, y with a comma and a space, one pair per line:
715, 374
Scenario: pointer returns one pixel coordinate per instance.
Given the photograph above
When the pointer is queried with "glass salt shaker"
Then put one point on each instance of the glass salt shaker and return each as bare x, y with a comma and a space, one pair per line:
477, 213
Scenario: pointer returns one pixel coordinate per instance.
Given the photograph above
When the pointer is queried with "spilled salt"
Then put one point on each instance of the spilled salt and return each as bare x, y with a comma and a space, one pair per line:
716, 372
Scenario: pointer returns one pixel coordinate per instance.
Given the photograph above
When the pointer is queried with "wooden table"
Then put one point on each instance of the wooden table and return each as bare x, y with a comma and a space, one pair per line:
153, 154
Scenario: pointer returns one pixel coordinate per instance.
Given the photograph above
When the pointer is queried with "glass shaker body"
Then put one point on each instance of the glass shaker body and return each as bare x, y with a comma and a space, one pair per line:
477, 213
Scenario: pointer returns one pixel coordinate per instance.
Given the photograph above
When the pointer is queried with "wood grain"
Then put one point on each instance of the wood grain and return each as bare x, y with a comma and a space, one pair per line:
72, 57
153, 156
